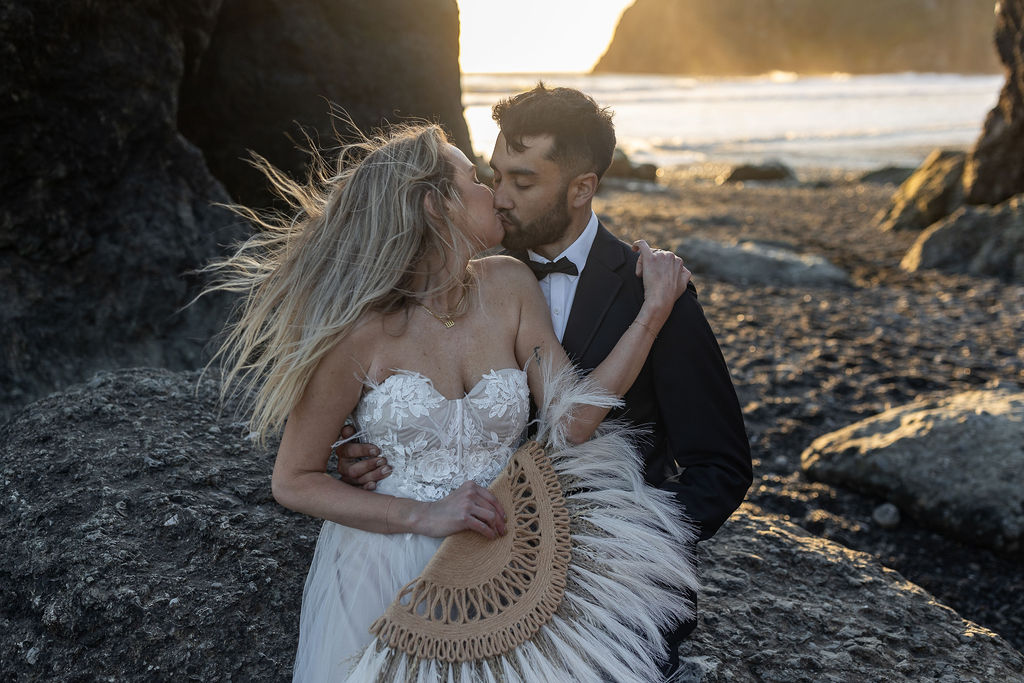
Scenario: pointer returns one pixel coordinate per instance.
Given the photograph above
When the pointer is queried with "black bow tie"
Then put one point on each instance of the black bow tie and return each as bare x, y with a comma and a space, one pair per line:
562, 265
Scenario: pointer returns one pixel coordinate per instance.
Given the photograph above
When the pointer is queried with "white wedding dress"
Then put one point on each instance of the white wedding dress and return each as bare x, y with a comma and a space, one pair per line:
630, 541
434, 445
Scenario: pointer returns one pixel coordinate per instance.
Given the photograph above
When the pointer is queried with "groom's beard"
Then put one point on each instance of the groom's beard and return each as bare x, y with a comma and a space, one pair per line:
548, 228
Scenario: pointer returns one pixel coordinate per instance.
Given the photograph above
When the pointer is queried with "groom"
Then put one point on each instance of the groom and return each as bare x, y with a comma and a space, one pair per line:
553, 148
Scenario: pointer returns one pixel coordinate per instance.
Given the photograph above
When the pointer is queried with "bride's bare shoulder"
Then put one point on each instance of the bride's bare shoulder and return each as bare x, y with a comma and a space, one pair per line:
503, 269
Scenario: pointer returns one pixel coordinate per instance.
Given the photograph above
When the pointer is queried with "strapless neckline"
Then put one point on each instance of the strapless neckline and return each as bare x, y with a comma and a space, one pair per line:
476, 388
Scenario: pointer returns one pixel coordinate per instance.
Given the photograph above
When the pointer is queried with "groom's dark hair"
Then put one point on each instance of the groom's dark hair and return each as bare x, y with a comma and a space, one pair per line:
584, 136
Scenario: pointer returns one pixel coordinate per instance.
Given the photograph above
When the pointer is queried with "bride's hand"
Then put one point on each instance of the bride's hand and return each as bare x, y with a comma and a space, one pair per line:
665, 277
469, 507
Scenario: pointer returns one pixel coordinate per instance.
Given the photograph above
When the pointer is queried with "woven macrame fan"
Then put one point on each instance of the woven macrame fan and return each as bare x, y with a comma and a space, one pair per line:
479, 598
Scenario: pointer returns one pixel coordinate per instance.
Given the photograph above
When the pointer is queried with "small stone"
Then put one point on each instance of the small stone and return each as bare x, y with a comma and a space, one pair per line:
171, 521
886, 516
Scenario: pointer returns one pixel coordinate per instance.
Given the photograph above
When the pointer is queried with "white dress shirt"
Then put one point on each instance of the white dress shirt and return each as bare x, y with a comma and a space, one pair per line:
559, 288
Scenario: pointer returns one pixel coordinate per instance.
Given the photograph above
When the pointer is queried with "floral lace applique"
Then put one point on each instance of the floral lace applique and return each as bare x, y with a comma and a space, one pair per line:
435, 444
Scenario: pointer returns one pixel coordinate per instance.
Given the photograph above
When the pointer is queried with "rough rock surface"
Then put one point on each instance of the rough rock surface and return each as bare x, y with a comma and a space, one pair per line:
728, 37
995, 167
747, 262
956, 464
933, 192
275, 67
141, 541
976, 239
781, 605
103, 205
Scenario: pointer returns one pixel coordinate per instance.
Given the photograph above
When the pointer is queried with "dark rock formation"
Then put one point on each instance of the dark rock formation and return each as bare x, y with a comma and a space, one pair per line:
979, 240
274, 68
780, 605
932, 192
953, 463
770, 170
141, 543
730, 37
103, 205
995, 168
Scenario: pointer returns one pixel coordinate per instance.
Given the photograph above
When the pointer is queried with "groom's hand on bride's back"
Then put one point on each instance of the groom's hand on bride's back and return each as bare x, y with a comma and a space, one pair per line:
360, 464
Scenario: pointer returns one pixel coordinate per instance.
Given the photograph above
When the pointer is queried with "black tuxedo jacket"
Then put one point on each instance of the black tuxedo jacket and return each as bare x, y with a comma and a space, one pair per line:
684, 395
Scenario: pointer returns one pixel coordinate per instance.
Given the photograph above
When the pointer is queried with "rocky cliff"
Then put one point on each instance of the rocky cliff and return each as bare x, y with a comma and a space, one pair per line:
986, 237
273, 67
123, 126
740, 37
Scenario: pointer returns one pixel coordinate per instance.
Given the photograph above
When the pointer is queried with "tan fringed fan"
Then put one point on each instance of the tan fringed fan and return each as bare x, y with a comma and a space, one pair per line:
479, 598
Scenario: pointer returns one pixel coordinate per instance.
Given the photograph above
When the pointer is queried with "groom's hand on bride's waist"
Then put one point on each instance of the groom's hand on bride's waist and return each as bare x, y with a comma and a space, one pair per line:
360, 464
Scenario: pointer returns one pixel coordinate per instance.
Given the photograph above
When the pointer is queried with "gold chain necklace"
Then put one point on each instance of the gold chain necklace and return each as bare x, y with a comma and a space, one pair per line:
447, 320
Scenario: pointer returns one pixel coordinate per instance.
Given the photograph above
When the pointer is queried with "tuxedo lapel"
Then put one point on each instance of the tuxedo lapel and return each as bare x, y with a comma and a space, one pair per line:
598, 285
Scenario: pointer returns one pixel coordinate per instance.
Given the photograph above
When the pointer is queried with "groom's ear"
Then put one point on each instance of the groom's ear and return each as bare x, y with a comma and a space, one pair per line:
582, 189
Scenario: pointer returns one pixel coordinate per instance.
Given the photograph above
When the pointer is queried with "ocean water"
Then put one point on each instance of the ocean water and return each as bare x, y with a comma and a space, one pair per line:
834, 122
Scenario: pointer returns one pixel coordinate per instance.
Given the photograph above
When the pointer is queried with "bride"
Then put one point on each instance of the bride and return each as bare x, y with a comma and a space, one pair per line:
367, 304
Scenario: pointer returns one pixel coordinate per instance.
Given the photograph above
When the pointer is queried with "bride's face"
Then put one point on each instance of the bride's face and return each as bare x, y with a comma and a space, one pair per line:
476, 218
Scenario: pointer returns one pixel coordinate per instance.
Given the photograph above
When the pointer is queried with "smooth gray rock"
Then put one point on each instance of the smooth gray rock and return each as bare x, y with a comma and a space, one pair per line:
955, 463
978, 240
753, 262
995, 168
933, 192
768, 171
781, 605
886, 516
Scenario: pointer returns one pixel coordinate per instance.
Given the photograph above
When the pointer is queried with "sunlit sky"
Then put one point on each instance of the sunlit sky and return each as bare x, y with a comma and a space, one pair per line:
535, 35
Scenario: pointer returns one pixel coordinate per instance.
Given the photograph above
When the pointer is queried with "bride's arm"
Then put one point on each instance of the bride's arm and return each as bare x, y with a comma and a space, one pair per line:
300, 481
665, 279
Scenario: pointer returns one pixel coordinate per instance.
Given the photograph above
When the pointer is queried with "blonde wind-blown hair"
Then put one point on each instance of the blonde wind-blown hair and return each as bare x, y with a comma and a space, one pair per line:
354, 244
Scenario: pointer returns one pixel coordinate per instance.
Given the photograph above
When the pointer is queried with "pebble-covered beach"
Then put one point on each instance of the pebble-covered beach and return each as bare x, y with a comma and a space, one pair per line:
807, 361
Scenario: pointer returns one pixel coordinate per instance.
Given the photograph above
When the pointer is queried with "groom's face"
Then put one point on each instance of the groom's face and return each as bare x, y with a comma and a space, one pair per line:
530, 193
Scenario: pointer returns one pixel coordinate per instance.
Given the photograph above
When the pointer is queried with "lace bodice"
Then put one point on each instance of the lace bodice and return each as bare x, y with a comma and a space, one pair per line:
435, 444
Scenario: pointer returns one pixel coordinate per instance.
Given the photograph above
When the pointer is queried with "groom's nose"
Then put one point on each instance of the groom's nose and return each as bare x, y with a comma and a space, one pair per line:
501, 198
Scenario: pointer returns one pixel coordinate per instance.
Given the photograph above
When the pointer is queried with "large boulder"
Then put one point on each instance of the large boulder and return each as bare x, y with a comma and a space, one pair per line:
736, 37
954, 463
995, 167
140, 538
275, 68
758, 263
932, 192
979, 240
767, 171
104, 206
781, 605
141, 543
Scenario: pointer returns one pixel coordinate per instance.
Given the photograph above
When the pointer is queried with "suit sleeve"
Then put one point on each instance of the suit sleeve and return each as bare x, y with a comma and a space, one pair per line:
702, 418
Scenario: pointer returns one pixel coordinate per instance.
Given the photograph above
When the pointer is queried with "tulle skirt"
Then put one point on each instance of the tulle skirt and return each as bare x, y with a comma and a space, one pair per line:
354, 576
